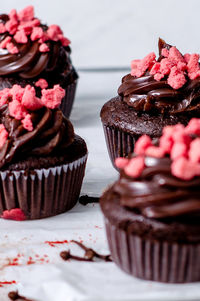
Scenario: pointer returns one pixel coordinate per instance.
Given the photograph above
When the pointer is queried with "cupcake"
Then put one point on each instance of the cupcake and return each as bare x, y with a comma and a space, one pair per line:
152, 212
155, 94
36, 54
42, 161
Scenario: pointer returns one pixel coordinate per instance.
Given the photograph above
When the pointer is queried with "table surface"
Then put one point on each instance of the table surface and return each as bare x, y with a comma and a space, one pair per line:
28, 258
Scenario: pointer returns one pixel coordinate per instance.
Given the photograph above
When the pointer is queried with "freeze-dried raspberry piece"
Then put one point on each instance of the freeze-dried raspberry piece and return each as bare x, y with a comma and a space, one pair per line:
44, 48
4, 43
178, 150
158, 76
53, 32
179, 134
135, 167
44, 38
3, 135
155, 69
194, 151
26, 14
29, 99
185, 169
64, 41
17, 92
20, 37
193, 127
41, 83
15, 214
142, 144
187, 57
154, 151
13, 15
175, 55
176, 78
37, 33
166, 143
17, 110
28, 26
165, 52
165, 66
12, 48
193, 66
121, 162
27, 123
138, 67
51, 98
11, 26
4, 96
2, 28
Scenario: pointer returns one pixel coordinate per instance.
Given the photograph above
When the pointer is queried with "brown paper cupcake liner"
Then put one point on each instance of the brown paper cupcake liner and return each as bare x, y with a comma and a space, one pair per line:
68, 100
119, 144
153, 260
42, 192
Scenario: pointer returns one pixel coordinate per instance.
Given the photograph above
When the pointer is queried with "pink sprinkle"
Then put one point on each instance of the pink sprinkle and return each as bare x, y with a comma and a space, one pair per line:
138, 67
178, 150
15, 214
185, 169
53, 32
12, 48
11, 26
29, 99
27, 123
176, 78
4, 43
121, 162
42, 83
193, 127
27, 14
17, 110
142, 144
135, 167
4, 95
43, 48
17, 92
154, 151
3, 135
165, 52
20, 37
2, 28
193, 66
194, 151
64, 41
51, 98
37, 33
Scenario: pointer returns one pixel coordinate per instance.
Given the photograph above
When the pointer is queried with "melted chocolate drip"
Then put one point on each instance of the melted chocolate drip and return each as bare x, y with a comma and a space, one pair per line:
157, 193
52, 132
85, 199
147, 94
15, 296
89, 255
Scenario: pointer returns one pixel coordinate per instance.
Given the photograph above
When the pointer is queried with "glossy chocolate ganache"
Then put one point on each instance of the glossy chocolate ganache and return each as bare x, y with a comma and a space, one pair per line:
156, 193
145, 93
30, 62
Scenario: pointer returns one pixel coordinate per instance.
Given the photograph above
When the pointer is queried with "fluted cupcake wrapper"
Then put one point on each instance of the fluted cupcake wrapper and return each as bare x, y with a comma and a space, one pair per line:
153, 260
119, 144
42, 192
68, 100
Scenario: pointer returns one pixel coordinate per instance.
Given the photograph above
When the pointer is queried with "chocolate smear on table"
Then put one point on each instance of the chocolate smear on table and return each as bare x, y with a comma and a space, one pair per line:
89, 255
85, 199
15, 296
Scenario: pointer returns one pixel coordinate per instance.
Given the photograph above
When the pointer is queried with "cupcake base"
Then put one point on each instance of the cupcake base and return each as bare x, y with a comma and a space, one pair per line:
68, 100
44, 192
151, 249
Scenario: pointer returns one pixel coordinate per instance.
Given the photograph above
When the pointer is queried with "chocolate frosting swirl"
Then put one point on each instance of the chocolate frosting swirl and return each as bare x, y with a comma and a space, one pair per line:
52, 133
147, 94
157, 193
30, 62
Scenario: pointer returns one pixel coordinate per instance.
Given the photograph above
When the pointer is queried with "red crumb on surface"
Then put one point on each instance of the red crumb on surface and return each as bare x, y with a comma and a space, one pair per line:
52, 98
135, 167
142, 144
14, 214
2, 283
3, 135
42, 83
57, 242
44, 48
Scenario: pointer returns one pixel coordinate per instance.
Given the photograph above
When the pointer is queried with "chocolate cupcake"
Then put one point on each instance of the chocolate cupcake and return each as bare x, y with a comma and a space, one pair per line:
42, 161
152, 213
156, 93
36, 54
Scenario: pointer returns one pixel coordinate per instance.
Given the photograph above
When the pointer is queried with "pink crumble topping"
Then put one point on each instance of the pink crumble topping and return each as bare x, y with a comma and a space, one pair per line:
27, 123
177, 142
37, 33
2, 28
4, 95
12, 48
53, 32
52, 98
41, 83
16, 109
20, 37
15, 214
4, 43
44, 48
26, 14
172, 65
3, 135
29, 99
